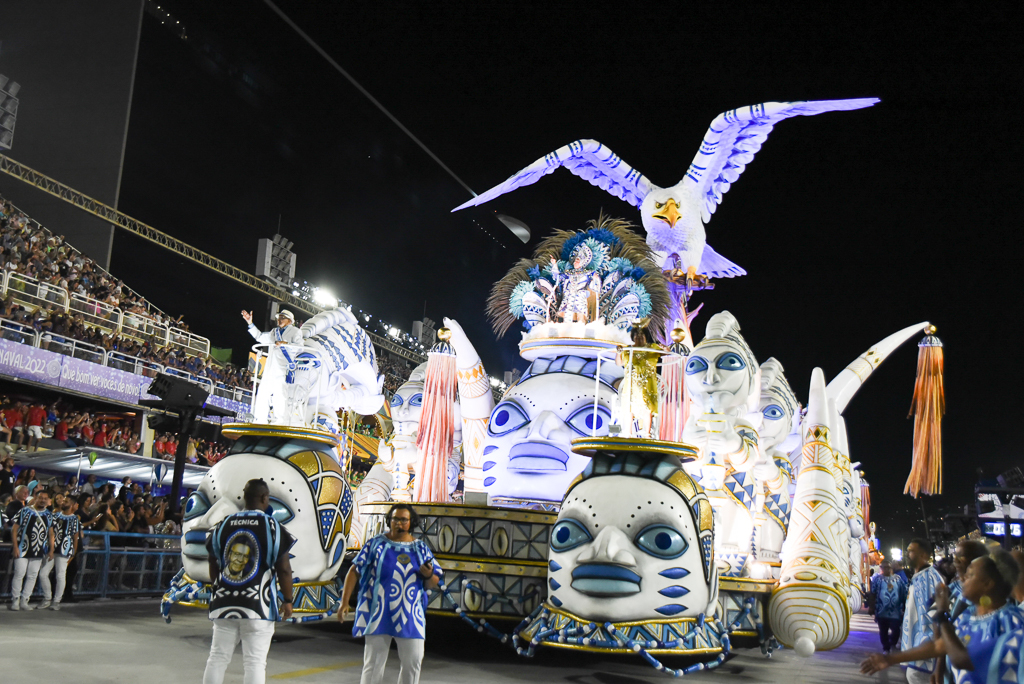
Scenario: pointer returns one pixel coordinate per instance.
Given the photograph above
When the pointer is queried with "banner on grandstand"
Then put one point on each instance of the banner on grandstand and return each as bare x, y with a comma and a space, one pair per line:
49, 368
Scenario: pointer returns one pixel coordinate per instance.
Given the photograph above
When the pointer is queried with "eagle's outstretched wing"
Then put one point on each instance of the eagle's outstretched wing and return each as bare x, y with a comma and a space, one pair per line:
588, 159
734, 137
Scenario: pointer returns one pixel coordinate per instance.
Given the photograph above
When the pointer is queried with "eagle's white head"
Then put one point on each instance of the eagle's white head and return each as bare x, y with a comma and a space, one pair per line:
671, 217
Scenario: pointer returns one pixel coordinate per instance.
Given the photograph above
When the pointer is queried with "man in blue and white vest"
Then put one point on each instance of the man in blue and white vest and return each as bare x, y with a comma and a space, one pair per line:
32, 542
67, 529
248, 554
920, 609
271, 404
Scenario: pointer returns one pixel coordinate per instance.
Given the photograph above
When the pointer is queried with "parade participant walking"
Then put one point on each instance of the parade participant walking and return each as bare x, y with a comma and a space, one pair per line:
66, 532
271, 404
917, 617
248, 554
32, 537
393, 572
889, 592
970, 639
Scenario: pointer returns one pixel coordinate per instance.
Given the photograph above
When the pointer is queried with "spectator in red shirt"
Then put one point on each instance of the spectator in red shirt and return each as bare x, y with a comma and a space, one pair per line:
160, 447
60, 431
34, 420
87, 431
15, 421
100, 438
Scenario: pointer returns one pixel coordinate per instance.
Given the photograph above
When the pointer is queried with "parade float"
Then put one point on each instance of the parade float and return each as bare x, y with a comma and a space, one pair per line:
637, 490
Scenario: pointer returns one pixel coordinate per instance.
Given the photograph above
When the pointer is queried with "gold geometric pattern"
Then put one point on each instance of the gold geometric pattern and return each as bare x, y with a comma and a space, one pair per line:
333, 497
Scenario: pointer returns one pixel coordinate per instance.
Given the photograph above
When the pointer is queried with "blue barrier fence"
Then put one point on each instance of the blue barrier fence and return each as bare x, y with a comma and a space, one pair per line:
113, 564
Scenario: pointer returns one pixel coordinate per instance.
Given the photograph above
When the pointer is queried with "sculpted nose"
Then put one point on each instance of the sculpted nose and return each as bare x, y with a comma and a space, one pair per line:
611, 546
546, 426
711, 375
220, 510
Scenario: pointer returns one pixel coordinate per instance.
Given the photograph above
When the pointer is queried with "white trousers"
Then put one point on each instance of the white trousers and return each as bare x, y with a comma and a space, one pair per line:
918, 677
375, 657
255, 636
24, 581
61, 563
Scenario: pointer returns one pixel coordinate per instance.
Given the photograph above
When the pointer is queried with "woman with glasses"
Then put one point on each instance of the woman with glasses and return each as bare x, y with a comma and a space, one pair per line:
395, 565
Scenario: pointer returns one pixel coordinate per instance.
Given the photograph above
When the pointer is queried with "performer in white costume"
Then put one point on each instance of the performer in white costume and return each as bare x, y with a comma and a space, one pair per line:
279, 371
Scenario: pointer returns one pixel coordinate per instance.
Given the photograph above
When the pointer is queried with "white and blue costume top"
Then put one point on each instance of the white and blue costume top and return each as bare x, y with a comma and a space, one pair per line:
981, 637
283, 356
33, 532
247, 546
65, 529
890, 596
920, 611
392, 598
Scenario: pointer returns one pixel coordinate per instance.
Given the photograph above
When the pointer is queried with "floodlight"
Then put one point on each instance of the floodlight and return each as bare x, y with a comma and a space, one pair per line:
897, 554
324, 298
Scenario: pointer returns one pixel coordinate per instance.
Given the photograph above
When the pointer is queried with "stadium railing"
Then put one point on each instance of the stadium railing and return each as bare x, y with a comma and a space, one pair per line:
113, 564
26, 334
33, 293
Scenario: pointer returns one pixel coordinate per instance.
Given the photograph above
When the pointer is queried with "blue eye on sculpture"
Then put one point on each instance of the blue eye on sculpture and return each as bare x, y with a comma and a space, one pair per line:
416, 400
731, 362
695, 365
661, 541
280, 511
506, 417
773, 412
196, 505
396, 400
568, 534
589, 422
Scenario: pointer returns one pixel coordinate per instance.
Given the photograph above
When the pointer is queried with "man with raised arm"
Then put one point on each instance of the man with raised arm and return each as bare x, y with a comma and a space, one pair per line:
271, 401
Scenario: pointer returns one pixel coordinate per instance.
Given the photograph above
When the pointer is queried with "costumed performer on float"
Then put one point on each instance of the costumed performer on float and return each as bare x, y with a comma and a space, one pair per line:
393, 572
279, 370
971, 641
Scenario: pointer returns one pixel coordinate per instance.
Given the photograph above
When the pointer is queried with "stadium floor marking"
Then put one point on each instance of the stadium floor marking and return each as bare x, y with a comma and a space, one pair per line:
316, 670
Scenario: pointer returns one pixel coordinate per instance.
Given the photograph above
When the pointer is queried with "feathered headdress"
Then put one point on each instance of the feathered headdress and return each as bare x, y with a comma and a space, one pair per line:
618, 254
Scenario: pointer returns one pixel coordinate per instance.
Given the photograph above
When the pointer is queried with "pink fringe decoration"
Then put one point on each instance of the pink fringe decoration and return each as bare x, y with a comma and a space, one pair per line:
675, 406
865, 498
435, 438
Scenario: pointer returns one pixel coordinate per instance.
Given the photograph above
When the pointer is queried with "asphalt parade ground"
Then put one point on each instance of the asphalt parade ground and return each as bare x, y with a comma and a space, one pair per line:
127, 641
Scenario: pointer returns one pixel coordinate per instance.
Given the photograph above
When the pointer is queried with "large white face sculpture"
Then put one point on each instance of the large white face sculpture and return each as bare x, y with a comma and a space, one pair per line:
722, 375
777, 405
631, 546
527, 452
406, 408
308, 495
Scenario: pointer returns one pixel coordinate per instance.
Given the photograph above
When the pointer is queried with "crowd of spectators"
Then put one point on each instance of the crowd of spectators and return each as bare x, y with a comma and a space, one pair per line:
102, 506
23, 423
34, 252
396, 371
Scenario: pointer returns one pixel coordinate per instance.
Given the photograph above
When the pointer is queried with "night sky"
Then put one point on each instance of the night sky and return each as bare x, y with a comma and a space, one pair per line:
851, 225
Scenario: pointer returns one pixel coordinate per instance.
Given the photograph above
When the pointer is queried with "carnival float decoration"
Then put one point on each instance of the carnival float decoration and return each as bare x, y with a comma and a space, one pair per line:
674, 217
334, 369
637, 490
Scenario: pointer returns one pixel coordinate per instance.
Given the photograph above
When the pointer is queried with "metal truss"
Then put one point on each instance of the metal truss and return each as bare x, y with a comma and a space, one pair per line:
147, 232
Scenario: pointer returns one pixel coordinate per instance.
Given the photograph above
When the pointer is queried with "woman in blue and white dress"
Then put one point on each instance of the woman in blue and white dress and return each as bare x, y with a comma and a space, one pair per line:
970, 640
394, 571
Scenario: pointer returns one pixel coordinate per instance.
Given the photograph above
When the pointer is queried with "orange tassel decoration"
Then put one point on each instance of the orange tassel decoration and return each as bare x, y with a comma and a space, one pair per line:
673, 405
865, 501
927, 407
436, 435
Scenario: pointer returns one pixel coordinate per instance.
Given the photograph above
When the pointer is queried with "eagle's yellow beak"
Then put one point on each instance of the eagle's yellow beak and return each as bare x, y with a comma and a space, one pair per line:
669, 213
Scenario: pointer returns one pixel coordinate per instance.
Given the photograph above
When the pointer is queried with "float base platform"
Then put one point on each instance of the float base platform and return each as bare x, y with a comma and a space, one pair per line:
94, 637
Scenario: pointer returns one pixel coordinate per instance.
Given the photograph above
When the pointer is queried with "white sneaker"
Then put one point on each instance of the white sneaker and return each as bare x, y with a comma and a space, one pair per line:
25, 606
55, 605
44, 605
13, 606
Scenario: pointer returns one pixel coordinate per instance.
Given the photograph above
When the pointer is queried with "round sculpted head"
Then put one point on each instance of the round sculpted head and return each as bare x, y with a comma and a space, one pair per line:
722, 375
527, 452
777, 405
308, 494
633, 541
406, 408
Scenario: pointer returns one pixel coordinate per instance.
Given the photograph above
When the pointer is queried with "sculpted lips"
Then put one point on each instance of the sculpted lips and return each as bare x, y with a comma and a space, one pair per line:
195, 544
532, 456
602, 579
